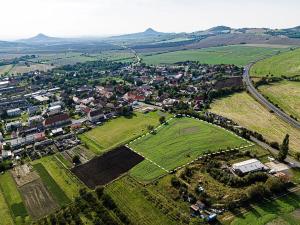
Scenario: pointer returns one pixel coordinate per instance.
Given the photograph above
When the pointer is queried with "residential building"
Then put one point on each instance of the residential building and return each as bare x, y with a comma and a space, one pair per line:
57, 120
14, 112
95, 115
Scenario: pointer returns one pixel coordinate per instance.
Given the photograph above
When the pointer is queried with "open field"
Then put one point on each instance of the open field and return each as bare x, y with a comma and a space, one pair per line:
284, 210
25, 69
286, 94
179, 142
60, 59
4, 211
12, 197
5, 69
52, 186
62, 177
244, 110
140, 211
109, 166
119, 131
238, 55
37, 199
286, 64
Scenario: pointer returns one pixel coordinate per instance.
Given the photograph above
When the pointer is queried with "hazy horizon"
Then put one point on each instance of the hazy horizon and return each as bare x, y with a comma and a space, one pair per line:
94, 18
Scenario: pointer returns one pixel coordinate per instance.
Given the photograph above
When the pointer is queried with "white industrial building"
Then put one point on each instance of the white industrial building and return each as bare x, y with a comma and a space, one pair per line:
248, 166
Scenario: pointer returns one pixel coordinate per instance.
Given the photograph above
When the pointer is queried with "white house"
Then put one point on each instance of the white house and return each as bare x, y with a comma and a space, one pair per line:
248, 166
14, 112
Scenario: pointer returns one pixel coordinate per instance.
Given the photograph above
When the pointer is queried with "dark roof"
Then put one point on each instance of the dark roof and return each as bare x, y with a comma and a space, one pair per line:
96, 112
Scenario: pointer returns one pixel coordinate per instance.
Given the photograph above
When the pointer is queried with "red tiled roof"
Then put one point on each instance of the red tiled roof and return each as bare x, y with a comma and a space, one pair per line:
56, 118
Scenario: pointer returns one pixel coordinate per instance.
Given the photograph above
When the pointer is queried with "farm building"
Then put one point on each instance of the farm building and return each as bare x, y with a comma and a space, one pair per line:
248, 166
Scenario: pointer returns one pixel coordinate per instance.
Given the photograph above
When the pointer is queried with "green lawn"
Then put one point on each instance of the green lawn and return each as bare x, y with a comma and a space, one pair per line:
13, 197
62, 177
119, 131
179, 142
52, 186
278, 210
237, 54
129, 197
286, 94
4, 211
287, 64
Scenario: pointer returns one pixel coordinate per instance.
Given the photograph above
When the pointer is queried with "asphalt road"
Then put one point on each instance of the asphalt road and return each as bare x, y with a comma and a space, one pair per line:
289, 160
261, 99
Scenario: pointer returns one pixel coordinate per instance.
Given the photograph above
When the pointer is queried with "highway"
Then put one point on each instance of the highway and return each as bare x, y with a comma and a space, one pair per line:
262, 100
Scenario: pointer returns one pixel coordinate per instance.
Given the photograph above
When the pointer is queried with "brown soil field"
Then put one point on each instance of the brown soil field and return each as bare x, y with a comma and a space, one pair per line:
24, 174
37, 199
106, 168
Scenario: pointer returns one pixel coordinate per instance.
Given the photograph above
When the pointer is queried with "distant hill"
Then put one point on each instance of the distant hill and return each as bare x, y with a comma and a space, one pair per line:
41, 38
149, 33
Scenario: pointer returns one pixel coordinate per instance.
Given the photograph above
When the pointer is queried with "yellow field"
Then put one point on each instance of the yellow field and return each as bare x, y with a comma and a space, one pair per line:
286, 94
244, 110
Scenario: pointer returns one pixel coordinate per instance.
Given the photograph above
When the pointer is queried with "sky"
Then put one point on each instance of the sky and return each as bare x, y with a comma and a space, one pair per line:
78, 18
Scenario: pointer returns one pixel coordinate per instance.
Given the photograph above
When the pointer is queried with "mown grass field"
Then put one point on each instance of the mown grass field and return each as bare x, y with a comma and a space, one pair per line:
129, 197
61, 176
119, 131
283, 211
51, 185
4, 211
287, 64
13, 198
238, 55
286, 94
179, 142
247, 112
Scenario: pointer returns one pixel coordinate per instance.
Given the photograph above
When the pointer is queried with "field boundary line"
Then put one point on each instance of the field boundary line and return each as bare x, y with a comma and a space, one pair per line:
250, 144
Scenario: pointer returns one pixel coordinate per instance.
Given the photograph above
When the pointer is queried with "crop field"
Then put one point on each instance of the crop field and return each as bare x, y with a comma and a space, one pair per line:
238, 55
52, 186
119, 131
247, 112
37, 199
283, 211
5, 69
107, 167
286, 94
60, 59
4, 211
13, 198
287, 64
179, 142
66, 181
141, 211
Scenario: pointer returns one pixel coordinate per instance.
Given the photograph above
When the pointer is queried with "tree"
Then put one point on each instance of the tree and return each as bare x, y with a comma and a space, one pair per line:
162, 119
76, 159
99, 191
297, 155
284, 149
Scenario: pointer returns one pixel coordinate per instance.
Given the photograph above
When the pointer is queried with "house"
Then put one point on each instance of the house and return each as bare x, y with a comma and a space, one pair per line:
13, 125
57, 120
251, 165
54, 110
35, 120
58, 131
14, 112
133, 96
95, 115
32, 110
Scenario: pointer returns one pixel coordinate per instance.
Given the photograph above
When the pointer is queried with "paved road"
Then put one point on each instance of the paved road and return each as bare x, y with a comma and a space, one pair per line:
289, 160
261, 99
